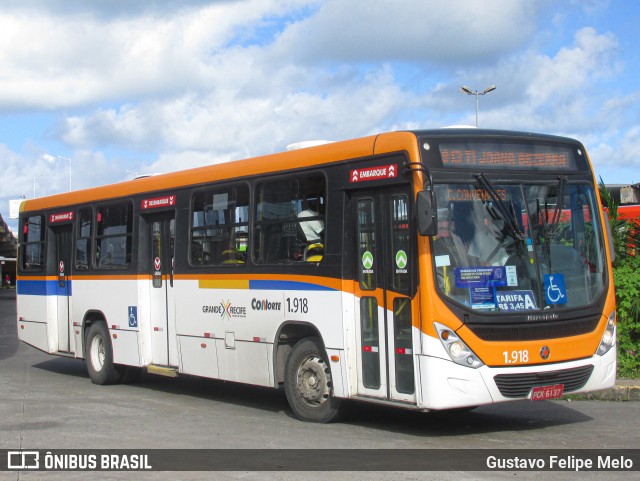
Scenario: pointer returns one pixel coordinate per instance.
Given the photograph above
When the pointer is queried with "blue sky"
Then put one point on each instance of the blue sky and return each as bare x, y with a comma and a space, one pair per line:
116, 88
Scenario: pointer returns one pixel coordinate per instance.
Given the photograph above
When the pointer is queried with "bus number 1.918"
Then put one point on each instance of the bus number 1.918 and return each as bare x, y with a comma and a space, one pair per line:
516, 357
297, 305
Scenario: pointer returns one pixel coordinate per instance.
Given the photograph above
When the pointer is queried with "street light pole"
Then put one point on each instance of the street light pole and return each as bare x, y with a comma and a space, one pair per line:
50, 158
466, 90
67, 158
34, 183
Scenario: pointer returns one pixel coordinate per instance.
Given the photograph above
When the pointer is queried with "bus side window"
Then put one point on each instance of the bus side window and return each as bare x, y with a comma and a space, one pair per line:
32, 258
290, 221
83, 241
114, 236
220, 226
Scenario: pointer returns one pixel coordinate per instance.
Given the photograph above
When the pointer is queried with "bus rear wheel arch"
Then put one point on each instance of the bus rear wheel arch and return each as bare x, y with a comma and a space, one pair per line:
308, 383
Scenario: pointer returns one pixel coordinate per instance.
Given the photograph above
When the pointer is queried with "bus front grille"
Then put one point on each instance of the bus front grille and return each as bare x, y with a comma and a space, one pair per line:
519, 385
535, 331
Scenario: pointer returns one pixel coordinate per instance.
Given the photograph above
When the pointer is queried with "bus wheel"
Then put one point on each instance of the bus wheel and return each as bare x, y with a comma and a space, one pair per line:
99, 355
308, 383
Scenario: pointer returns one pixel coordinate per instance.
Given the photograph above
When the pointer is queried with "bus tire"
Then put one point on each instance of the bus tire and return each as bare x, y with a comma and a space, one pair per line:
99, 356
308, 383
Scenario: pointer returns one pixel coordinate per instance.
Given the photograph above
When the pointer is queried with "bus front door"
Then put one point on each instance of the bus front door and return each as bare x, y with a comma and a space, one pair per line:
162, 233
384, 268
63, 240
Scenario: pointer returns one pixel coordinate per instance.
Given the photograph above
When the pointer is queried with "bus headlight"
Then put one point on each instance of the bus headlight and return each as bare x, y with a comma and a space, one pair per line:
458, 351
609, 336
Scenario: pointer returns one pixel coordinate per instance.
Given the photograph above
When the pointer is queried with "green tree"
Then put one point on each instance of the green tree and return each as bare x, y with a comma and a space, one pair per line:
627, 281
626, 272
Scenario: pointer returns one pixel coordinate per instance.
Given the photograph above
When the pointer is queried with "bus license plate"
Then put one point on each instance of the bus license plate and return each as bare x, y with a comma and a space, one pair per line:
542, 393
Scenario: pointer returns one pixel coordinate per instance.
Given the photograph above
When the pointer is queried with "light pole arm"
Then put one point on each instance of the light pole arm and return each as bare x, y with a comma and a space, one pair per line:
466, 90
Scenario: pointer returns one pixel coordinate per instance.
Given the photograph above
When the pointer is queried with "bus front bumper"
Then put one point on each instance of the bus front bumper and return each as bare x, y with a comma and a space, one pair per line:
446, 385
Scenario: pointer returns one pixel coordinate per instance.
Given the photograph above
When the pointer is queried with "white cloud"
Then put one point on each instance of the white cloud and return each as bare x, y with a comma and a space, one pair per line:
574, 69
78, 59
420, 31
557, 93
630, 146
227, 124
257, 98
201, 82
13, 169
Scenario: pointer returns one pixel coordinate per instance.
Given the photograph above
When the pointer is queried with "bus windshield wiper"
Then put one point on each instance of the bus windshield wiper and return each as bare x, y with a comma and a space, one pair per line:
507, 214
546, 230
557, 212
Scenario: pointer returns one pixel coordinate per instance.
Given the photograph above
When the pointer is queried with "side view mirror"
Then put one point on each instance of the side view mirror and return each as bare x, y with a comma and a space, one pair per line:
427, 213
607, 229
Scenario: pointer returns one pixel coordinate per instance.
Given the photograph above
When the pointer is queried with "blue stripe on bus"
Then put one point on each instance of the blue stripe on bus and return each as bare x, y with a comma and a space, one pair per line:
43, 288
286, 286
51, 287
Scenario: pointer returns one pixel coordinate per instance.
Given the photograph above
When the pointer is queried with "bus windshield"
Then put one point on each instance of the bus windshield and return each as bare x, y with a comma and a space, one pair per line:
509, 247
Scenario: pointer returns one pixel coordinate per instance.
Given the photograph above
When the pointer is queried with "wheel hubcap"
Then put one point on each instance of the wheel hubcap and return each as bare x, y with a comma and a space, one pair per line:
314, 382
97, 353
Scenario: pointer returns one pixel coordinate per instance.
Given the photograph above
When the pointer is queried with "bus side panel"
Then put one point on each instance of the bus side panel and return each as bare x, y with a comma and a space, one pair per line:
126, 347
243, 316
198, 356
243, 361
35, 324
97, 296
35, 334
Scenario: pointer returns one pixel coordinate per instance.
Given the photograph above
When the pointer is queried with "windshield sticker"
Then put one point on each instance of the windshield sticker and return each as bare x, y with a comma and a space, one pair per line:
512, 276
482, 297
401, 262
516, 300
480, 276
367, 262
554, 290
443, 260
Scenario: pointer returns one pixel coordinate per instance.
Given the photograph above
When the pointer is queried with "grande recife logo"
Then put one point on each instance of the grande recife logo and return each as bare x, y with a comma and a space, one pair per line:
226, 310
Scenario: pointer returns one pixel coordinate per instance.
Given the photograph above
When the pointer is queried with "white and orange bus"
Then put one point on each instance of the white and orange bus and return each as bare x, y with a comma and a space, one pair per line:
427, 270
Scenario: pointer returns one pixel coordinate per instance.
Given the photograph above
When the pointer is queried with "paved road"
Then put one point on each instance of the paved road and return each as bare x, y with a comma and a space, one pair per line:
49, 403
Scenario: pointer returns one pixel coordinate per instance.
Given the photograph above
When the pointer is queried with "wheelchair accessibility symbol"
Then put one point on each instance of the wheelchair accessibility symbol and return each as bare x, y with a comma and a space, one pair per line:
554, 290
133, 316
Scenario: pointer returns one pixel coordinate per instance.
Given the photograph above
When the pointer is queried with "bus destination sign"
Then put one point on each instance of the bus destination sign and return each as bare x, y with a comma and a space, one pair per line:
506, 155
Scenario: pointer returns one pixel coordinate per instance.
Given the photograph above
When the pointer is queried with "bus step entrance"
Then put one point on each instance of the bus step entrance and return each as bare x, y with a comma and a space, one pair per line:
163, 370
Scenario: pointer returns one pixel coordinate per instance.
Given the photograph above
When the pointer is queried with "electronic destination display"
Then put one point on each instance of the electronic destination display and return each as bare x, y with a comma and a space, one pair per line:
493, 155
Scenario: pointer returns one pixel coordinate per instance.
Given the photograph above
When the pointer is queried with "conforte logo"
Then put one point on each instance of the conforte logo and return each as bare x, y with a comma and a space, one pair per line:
265, 305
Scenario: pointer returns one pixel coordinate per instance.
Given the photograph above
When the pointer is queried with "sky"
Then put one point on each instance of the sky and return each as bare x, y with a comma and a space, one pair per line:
96, 92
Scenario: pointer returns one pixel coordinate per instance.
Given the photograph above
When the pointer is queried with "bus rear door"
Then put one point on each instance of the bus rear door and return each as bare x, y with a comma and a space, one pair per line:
62, 239
162, 233
384, 264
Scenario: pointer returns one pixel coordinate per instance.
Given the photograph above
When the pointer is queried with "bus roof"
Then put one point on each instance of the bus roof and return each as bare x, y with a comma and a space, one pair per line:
282, 161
